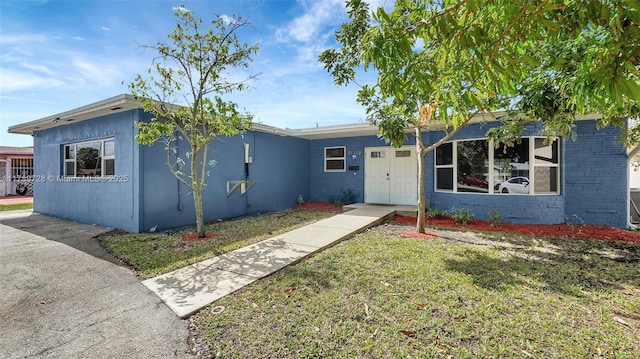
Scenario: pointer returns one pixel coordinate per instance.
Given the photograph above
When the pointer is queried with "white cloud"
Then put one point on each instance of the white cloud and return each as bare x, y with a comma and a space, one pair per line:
96, 73
105, 28
12, 80
180, 8
374, 4
78, 38
316, 17
39, 68
227, 19
10, 39
14, 54
308, 35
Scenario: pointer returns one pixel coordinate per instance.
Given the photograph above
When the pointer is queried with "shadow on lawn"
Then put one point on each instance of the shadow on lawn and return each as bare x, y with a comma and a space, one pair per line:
568, 266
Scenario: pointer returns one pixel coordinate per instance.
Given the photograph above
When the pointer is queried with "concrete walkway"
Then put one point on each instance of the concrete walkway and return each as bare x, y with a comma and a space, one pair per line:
191, 288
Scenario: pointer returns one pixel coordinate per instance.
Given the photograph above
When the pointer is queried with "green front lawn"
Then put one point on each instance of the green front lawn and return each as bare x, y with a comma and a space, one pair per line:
383, 296
156, 253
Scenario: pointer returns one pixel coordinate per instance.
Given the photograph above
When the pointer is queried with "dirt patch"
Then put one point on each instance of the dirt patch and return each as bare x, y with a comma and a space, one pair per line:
561, 230
319, 206
416, 235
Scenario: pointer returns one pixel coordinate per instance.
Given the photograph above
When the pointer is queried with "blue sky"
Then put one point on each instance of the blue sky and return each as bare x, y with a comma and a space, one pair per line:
57, 55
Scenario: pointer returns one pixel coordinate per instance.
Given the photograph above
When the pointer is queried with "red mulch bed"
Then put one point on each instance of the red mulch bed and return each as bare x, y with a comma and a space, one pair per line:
319, 206
561, 230
194, 237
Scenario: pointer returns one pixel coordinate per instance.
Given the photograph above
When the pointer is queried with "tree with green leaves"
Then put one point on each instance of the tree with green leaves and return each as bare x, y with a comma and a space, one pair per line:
183, 91
442, 63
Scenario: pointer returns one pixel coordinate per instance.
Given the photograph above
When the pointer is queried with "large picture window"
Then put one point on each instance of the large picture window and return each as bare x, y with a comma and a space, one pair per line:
90, 159
531, 166
472, 164
511, 168
335, 159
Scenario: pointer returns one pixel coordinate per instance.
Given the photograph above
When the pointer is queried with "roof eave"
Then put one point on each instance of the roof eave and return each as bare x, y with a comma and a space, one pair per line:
120, 103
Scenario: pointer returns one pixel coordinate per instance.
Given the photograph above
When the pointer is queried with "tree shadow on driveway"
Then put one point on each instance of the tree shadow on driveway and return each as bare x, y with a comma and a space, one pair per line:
73, 234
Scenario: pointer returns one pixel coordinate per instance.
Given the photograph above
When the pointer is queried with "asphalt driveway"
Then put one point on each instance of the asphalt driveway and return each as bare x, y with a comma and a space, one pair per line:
62, 296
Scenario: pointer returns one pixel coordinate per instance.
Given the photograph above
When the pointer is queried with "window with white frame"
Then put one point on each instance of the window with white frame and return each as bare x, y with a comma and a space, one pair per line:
546, 166
444, 167
531, 166
90, 159
472, 161
335, 159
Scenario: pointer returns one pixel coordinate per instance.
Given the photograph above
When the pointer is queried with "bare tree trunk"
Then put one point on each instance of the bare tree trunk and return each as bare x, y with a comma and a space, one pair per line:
421, 197
197, 193
197, 198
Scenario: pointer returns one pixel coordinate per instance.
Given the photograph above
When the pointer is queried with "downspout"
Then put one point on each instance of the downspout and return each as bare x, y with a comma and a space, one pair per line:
140, 178
134, 161
247, 162
630, 157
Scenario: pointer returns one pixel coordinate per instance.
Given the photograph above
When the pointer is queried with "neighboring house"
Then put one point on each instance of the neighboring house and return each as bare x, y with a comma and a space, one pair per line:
16, 171
90, 168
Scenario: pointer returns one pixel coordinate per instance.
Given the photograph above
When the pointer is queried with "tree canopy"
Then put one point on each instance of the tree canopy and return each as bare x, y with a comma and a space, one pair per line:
549, 59
439, 63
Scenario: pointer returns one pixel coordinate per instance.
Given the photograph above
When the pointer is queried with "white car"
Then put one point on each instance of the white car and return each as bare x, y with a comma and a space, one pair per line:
519, 185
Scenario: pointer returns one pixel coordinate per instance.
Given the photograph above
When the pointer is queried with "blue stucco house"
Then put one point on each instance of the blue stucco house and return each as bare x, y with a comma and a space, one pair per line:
88, 167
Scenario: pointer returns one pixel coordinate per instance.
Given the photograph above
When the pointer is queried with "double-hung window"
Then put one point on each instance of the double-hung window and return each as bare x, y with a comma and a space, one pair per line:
90, 159
444, 167
335, 159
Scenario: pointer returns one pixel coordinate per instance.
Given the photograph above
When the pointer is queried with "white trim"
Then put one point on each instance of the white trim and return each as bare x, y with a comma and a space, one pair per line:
491, 176
343, 158
66, 160
436, 166
120, 103
392, 178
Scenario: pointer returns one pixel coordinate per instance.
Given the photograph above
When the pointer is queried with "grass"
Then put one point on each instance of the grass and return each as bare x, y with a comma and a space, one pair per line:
382, 296
155, 253
13, 207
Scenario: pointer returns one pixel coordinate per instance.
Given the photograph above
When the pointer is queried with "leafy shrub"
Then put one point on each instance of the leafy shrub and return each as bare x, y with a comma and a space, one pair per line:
346, 197
461, 216
433, 212
495, 217
300, 199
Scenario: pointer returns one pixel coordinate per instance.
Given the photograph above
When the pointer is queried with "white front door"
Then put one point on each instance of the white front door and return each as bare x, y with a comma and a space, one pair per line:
376, 175
390, 175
